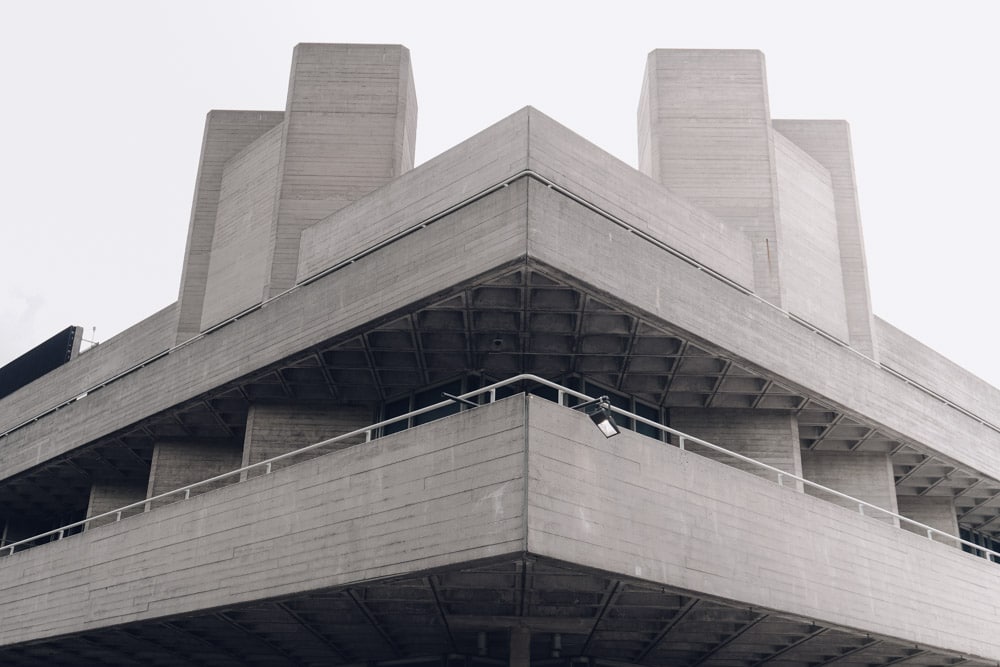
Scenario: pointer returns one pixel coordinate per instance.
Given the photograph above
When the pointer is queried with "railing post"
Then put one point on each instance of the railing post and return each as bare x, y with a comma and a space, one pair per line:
861, 509
680, 441
187, 494
781, 479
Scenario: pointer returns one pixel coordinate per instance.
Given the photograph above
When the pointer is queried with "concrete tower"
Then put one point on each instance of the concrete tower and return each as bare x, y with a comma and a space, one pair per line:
359, 436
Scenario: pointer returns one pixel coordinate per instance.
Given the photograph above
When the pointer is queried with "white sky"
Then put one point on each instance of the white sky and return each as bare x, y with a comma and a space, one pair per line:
104, 104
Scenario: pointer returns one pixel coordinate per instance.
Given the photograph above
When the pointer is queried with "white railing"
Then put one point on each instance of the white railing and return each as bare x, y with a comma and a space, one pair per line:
683, 440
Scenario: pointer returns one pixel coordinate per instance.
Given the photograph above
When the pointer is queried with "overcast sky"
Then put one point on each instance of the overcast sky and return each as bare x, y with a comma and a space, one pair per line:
104, 105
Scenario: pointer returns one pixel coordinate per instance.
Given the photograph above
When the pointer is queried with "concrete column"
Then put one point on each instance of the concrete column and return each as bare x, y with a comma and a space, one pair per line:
865, 476
276, 429
829, 143
769, 436
179, 463
705, 133
226, 134
350, 128
934, 511
107, 496
520, 647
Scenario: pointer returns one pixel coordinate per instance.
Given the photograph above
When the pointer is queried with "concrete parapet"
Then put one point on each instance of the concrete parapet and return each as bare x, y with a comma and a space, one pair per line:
633, 506
446, 492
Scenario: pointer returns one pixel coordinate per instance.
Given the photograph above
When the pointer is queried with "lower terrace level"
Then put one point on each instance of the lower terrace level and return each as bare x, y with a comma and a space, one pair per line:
522, 320
510, 532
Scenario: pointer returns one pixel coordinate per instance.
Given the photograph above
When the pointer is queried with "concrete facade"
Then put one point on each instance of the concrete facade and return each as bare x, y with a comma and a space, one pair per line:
720, 291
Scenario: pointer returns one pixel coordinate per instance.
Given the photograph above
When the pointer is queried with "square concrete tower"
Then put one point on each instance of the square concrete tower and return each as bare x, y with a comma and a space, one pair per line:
705, 131
349, 127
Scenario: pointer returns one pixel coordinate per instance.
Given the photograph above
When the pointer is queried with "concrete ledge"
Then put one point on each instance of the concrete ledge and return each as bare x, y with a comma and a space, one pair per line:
450, 491
639, 508
905, 354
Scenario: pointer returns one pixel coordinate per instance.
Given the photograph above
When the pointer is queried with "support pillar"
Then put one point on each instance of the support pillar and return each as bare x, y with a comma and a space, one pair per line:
109, 495
179, 463
520, 647
934, 511
769, 436
865, 476
279, 428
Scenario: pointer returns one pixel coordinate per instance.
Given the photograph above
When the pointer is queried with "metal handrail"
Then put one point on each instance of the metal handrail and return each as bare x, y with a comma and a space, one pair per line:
561, 392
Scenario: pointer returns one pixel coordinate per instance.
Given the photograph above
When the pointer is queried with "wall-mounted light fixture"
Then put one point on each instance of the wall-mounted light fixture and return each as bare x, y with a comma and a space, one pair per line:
599, 411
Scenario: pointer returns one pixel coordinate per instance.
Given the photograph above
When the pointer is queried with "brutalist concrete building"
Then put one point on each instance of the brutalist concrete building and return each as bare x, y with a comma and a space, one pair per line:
795, 481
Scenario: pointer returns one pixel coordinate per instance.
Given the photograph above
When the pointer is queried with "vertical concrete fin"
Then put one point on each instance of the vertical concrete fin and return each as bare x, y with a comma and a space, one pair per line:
351, 128
705, 133
226, 134
829, 143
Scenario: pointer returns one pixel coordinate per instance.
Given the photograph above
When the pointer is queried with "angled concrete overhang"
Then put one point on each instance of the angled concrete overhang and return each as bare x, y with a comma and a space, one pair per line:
524, 193
655, 534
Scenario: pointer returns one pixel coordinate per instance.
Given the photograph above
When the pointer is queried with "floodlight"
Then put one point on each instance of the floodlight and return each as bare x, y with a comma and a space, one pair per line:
599, 411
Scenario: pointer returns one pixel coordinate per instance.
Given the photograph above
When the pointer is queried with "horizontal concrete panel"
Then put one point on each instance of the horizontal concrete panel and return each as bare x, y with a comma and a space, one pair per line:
905, 354
447, 492
637, 507
527, 139
478, 238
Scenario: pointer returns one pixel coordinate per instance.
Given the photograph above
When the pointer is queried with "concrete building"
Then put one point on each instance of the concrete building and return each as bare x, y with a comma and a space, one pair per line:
329, 286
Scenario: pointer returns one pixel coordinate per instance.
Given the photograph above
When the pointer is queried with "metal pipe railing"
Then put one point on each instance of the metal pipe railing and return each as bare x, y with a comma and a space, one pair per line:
683, 441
